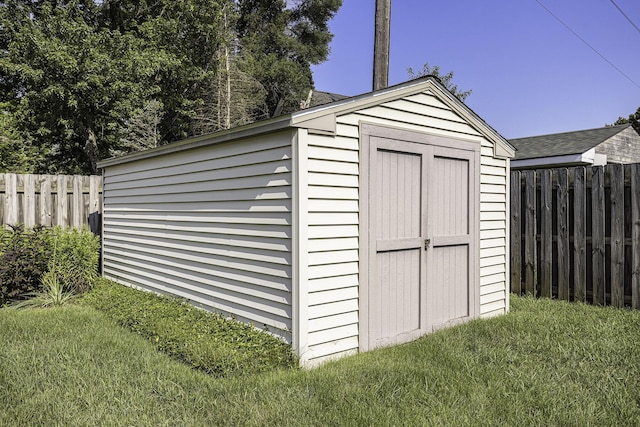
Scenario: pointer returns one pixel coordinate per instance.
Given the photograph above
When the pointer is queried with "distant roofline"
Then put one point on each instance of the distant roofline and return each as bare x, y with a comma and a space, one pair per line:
622, 126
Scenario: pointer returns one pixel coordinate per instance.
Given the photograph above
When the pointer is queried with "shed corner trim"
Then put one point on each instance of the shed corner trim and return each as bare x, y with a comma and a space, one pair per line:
323, 125
502, 151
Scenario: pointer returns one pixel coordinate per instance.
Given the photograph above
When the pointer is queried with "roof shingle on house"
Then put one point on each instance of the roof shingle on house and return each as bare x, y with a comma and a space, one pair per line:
560, 144
321, 98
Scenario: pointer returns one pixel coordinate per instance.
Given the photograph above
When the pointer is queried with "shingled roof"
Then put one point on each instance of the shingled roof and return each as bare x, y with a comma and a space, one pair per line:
560, 144
321, 98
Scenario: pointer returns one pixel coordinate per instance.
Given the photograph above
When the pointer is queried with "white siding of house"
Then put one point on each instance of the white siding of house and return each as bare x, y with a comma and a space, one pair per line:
211, 224
333, 219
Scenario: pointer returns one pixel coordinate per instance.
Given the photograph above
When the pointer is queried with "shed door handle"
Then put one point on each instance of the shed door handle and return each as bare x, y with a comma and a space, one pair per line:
427, 243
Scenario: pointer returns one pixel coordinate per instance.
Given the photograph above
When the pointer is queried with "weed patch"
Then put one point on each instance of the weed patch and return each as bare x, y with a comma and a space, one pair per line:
206, 341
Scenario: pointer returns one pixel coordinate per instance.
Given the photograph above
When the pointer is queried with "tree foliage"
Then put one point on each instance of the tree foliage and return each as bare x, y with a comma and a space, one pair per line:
281, 44
634, 119
141, 131
84, 79
16, 155
446, 79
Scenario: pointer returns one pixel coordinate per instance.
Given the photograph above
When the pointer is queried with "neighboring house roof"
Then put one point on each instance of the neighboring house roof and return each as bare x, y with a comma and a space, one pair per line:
322, 119
560, 144
321, 98
594, 147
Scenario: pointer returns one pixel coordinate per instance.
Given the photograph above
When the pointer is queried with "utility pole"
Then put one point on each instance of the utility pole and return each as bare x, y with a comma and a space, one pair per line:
381, 44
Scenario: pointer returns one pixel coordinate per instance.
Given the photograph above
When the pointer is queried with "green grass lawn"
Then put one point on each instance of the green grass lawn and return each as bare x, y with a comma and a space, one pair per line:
546, 363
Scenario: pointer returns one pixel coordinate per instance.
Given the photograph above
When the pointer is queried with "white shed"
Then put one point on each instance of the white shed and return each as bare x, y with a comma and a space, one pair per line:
357, 224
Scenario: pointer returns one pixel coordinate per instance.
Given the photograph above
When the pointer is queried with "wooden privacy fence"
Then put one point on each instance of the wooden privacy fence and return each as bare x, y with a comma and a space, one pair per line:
66, 200
575, 234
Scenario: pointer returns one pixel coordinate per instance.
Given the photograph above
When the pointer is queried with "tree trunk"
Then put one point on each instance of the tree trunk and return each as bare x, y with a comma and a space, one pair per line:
91, 149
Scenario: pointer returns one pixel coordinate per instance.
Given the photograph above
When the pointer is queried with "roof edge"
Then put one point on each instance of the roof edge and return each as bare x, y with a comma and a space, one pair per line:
502, 149
265, 126
622, 127
315, 117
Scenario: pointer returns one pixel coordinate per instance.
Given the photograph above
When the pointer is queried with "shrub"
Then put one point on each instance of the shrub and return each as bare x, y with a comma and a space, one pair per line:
206, 341
53, 294
24, 256
75, 257
27, 254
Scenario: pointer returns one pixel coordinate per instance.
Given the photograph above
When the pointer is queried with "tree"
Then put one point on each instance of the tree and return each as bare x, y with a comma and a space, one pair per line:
70, 83
281, 43
634, 119
233, 97
189, 32
83, 79
16, 155
142, 130
446, 79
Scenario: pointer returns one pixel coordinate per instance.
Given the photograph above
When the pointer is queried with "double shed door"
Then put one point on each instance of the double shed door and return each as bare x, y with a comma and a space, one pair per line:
421, 212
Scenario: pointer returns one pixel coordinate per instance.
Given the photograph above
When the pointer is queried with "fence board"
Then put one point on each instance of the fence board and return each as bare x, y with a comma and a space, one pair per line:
516, 234
77, 203
49, 200
10, 198
617, 234
579, 235
594, 233
563, 234
530, 255
598, 235
29, 202
62, 210
46, 202
546, 233
635, 235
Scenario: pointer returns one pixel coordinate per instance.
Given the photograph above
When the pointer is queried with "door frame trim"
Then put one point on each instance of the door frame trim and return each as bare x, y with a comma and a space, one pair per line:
367, 130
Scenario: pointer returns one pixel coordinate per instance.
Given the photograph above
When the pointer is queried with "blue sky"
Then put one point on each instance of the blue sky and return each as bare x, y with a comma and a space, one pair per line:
529, 74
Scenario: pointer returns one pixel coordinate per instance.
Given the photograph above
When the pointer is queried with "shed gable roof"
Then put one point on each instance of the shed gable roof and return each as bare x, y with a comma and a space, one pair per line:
322, 119
317, 116
560, 144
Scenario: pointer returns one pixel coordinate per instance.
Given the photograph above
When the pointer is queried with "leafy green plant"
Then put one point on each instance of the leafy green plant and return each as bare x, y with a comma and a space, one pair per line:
75, 258
53, 294
28, 254
206, 341
24, 255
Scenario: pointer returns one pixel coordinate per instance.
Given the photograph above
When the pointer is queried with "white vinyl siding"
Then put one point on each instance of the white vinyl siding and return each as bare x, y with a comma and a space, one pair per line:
211, 224
333, 219
493, 234
332, 247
